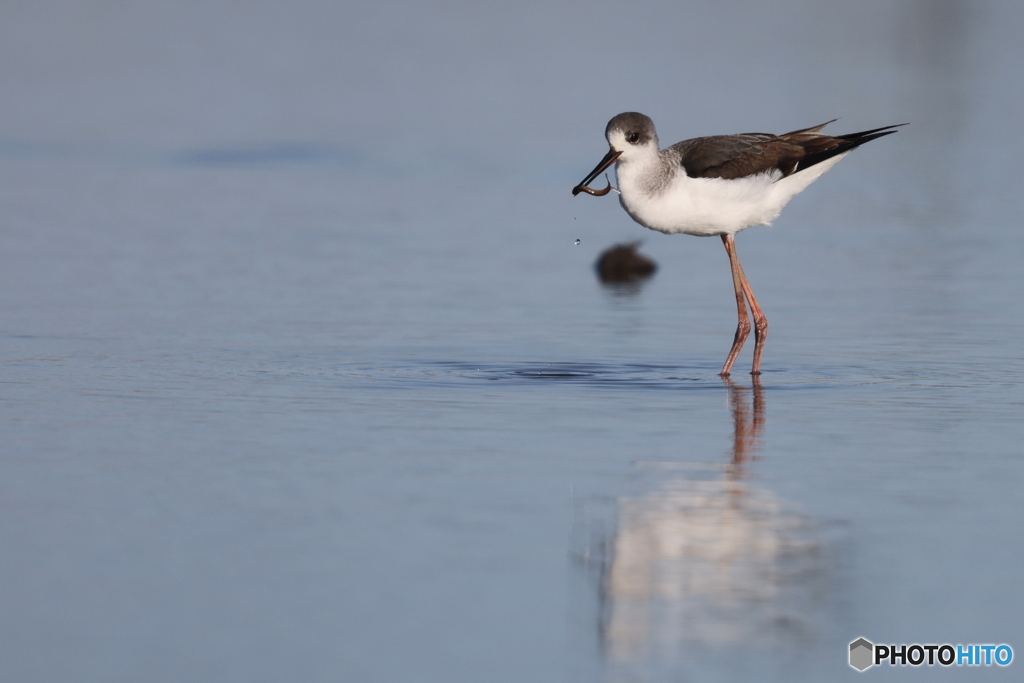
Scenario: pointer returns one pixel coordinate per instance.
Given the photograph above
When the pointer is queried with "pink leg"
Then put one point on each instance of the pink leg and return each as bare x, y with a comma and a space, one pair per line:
760, 327
744, 291
743, 327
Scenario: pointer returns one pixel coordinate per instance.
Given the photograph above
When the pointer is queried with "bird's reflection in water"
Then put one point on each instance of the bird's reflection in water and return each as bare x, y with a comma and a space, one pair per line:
707, 562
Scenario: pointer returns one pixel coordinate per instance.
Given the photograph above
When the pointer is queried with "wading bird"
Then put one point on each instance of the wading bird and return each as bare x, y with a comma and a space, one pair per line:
718, 185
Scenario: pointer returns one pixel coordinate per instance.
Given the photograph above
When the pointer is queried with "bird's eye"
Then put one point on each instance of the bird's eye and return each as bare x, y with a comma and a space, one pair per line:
632, 138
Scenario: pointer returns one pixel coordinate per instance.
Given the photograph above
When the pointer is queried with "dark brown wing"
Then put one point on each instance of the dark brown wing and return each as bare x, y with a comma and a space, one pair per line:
738, 156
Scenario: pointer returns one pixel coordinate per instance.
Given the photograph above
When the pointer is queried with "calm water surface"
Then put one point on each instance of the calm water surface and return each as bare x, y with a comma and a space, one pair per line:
305, 378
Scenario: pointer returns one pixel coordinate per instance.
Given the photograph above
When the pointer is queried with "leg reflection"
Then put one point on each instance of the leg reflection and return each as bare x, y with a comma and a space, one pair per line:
705, 562
748, 423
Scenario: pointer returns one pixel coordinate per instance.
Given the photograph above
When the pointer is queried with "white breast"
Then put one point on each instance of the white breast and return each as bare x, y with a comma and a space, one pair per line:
708, 206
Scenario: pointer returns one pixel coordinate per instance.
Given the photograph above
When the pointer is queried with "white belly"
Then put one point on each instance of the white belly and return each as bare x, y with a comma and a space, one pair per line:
712, 206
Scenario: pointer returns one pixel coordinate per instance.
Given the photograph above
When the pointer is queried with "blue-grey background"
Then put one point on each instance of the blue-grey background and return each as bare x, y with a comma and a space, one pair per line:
304, 377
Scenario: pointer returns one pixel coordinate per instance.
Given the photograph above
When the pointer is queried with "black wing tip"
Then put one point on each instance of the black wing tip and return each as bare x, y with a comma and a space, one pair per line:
854, 140
865, 135
849, 142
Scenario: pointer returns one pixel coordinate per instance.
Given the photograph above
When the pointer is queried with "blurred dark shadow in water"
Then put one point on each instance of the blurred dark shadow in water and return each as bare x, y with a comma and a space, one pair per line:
623, 270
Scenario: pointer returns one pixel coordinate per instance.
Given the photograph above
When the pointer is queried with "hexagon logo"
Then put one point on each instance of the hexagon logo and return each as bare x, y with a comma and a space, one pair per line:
862, 654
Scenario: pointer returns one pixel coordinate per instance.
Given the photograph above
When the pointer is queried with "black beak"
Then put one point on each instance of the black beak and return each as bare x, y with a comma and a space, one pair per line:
610, 158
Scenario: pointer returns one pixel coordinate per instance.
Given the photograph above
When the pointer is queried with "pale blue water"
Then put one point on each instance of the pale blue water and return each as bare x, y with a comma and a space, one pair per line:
304, 377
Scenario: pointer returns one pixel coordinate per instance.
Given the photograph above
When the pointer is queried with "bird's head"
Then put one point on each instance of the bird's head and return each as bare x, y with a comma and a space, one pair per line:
630, 135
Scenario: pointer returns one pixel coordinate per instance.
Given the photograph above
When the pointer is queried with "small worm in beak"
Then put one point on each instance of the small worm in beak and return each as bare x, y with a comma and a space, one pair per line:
592, 191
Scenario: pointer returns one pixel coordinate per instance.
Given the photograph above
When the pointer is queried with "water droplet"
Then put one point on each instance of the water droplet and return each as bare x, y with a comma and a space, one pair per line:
577, 243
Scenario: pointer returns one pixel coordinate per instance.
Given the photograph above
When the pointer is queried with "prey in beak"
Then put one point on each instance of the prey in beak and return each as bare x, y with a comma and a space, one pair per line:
610, 158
